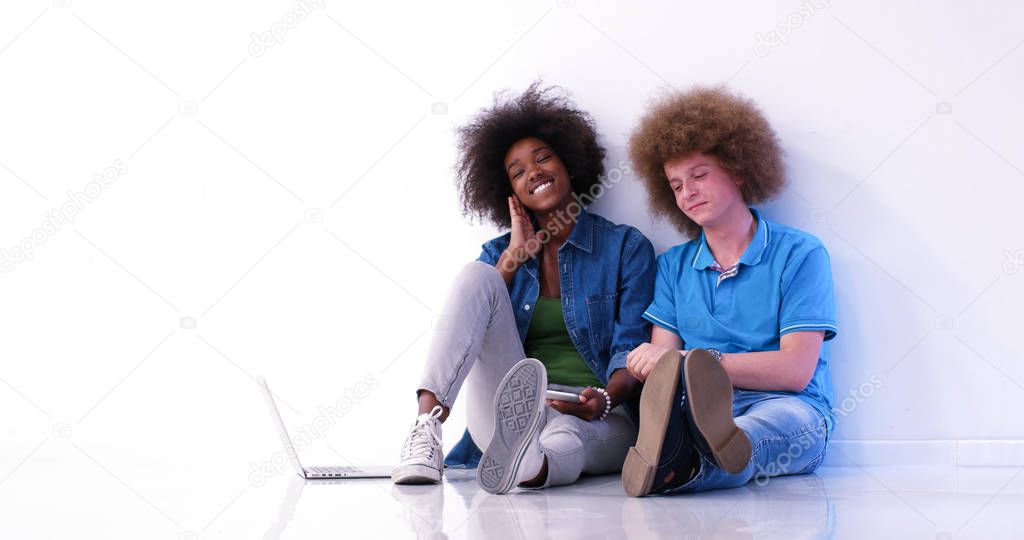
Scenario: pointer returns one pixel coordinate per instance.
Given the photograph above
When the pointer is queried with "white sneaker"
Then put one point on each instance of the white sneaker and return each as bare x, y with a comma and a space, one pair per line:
514, 455
422, 459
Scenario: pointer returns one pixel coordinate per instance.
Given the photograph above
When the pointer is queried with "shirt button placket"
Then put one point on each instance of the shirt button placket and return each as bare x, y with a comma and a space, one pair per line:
723, 297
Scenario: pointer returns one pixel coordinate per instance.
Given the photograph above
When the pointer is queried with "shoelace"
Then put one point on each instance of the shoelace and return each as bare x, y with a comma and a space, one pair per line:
424, 436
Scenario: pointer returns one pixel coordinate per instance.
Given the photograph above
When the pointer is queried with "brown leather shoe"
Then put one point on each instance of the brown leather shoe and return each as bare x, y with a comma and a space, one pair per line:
663, 454
709, 406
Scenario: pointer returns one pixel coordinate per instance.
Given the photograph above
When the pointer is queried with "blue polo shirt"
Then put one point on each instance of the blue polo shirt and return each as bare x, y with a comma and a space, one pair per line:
782, 284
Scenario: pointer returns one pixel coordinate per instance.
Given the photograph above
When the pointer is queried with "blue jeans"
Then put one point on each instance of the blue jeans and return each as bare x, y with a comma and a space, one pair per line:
787, 434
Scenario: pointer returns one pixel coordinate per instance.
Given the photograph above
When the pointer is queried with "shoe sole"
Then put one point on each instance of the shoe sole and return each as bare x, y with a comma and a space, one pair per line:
655, 407
709, 393
416, 474
518, 400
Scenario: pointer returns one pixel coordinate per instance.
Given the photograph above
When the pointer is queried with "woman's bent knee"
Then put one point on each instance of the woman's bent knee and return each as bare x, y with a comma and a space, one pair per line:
476, 274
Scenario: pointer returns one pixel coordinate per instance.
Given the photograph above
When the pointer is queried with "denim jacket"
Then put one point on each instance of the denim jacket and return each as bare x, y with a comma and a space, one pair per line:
606, 275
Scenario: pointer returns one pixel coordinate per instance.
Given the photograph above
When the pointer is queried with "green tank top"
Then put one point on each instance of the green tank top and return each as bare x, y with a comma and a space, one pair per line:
548, 340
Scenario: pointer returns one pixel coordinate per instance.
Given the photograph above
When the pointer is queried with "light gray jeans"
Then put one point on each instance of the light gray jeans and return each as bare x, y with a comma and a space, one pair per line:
478, 342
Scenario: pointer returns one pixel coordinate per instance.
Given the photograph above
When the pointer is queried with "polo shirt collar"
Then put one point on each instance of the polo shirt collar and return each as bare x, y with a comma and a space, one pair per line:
751, 256
758, 245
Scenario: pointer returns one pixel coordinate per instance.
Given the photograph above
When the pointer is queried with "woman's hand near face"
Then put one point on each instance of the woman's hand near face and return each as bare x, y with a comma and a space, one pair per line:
524, 243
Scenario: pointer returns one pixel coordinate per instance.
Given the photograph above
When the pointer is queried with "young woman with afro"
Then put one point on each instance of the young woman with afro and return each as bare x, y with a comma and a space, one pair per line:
558, 299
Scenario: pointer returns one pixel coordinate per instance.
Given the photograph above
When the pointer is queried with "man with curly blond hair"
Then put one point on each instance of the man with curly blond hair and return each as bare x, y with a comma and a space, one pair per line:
737, 383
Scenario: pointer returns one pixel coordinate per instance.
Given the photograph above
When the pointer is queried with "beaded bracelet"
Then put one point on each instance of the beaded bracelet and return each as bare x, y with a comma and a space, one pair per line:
607, 403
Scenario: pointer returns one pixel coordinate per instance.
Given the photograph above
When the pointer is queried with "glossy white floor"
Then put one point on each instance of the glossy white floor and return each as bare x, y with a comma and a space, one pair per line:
45, 499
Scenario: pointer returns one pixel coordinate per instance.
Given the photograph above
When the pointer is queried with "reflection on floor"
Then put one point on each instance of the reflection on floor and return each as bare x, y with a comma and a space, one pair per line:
835, 502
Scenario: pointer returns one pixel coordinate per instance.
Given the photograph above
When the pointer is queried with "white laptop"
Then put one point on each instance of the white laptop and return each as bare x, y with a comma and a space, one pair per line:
320, 472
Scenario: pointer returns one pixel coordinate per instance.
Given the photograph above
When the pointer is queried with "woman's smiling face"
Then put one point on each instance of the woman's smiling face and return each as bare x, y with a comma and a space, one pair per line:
538, 177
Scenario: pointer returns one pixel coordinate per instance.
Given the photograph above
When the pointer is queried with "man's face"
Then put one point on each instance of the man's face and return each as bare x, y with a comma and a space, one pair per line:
704, 191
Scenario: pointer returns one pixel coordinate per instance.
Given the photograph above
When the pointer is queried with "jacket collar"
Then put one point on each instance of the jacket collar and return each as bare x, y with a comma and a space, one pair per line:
581, 237
582, 234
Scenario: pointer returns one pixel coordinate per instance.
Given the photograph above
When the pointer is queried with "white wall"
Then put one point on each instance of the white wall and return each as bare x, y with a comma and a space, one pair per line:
222, 153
